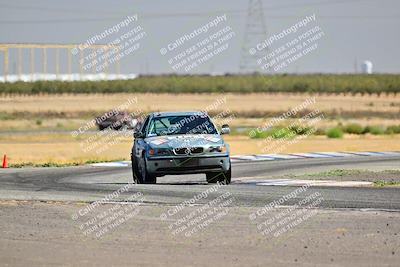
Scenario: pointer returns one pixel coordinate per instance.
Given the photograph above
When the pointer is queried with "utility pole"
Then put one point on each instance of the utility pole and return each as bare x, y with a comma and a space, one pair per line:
255, 32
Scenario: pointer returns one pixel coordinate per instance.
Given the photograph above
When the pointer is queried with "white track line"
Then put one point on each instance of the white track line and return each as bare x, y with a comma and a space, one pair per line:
111, 164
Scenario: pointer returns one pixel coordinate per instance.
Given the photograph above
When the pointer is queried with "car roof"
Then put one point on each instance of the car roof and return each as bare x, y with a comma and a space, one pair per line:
176, 113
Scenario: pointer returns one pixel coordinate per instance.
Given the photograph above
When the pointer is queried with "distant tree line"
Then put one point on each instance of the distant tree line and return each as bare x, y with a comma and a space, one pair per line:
313, 83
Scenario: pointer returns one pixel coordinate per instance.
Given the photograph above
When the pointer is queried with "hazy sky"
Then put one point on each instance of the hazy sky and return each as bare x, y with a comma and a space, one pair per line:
362, 30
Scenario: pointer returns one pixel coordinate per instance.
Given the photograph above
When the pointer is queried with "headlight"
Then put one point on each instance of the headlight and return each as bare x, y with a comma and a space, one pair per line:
162, 152
158, 152
219, 149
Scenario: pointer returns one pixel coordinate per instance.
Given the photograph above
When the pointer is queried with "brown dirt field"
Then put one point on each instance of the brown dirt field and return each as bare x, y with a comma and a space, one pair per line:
161, 102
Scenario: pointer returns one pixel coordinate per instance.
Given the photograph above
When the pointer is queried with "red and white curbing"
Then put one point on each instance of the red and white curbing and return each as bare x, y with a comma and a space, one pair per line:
311, 155
269, 157
294, 182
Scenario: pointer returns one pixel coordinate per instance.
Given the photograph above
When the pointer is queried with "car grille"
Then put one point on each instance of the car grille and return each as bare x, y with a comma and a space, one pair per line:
188, 150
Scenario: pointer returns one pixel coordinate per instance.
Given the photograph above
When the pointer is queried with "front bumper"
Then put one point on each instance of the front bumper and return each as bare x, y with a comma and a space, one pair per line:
187, 165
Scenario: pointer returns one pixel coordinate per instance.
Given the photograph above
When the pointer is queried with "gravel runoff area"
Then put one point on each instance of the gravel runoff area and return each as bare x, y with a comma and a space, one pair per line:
44, 234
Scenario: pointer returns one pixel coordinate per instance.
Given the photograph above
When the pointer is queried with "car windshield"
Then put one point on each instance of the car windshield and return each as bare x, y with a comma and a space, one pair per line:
182, 124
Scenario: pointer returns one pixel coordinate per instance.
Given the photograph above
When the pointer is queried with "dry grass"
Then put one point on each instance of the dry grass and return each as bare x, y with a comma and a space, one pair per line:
234, 102
318, 143
33, 125
24, 125
62, 148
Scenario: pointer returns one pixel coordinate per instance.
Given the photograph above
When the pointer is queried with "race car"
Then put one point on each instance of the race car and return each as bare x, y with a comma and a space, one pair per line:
116, 120
180, 143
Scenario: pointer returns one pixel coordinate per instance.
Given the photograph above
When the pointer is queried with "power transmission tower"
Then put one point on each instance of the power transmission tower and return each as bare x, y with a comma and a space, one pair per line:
255, 32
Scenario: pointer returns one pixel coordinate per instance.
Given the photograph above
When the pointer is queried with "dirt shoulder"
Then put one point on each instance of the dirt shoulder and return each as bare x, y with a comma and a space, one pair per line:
379, 178
43, 234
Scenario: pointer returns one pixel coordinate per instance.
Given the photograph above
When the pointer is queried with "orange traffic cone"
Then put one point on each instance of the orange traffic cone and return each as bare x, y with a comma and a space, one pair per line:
5, 164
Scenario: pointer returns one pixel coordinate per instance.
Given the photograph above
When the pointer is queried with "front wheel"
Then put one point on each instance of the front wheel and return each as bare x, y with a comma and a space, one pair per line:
222, 177
135, 172
212, 177
144, 177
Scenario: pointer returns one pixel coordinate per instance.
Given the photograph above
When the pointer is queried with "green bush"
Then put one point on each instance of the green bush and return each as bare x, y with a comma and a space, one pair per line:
276, 133
282, 133
335, 133
254, 134
353, 128
376, 130
367, 129
301, 130
395, 129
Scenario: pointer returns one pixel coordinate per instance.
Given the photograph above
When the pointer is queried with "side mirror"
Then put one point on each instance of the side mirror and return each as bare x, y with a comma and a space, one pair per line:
138, 135
225, 129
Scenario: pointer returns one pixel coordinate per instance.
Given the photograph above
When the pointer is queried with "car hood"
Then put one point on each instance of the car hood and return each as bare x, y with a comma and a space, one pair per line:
186, 140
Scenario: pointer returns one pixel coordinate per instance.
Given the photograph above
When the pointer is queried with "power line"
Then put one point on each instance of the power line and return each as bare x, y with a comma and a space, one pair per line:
272, 7
192, 14
79, 20
51, 9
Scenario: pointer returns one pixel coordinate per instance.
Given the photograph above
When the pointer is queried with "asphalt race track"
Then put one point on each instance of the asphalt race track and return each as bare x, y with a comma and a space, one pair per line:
351, 226
89, 183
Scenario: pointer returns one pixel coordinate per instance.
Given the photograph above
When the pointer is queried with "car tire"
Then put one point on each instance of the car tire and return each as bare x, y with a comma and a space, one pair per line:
135, 172
143, 175
222, 177
212, 177
227, 176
